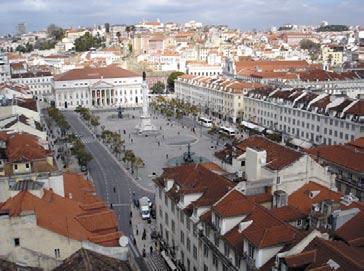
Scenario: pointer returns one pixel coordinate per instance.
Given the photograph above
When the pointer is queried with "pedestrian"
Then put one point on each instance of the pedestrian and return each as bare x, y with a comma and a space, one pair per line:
114, 189
167, 156
159, 143
132, 140
151, 249
144, 235
124, 131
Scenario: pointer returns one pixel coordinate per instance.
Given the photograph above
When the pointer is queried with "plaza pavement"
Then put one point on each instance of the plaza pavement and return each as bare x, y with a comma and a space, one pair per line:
157, 150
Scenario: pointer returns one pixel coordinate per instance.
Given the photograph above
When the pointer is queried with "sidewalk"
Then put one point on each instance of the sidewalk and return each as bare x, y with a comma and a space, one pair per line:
146, 245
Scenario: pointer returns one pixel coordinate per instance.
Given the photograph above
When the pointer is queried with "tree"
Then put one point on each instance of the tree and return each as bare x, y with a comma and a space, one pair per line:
87, 41
333, 28
118, 34
130, 47
138, 163
158, 88
171, 78
307, 44
55, 32
24, 49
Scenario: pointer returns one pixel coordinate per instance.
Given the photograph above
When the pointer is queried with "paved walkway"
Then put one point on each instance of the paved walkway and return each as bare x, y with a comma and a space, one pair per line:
158, 151
145, 244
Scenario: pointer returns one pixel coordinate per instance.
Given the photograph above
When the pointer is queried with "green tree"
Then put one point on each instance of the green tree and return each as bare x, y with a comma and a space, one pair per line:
87, 41
138, 163
158, 88
171, 78
130, 47
55, 32
307, 44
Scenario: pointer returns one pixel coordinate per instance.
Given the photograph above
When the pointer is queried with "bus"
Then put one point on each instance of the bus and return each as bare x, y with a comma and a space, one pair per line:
230, 132
205, 122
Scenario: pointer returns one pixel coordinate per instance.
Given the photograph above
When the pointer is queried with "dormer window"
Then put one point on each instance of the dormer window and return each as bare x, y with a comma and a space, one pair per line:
15, 167
27, 165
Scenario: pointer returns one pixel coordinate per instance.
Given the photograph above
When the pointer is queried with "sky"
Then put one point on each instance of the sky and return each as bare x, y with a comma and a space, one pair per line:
243, 14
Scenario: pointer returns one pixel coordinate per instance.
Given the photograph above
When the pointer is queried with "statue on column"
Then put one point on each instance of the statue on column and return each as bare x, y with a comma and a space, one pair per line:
145, 125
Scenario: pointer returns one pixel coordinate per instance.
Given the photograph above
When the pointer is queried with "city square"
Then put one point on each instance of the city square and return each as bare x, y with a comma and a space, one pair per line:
163, 148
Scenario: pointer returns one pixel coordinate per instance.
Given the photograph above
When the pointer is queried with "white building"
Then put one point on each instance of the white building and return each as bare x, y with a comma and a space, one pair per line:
260, 160
305, 115
208, 223
221, 97
4, 68
40, 84
201, 68
12, 90
107, 87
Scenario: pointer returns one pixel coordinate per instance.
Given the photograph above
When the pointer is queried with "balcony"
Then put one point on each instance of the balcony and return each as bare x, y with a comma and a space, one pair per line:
249, 261
225, 261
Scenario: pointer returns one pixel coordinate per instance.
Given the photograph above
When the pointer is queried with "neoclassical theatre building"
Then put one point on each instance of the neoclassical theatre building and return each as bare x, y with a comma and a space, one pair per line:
106, 87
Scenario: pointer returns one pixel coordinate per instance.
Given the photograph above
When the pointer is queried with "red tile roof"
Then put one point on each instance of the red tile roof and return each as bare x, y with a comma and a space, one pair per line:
287, 213
233, 204
111, 71
278, 156
319, 252
301, 200
348, 156
23, 147
196, 178
67, 217
357, 108
352, 232
265, 230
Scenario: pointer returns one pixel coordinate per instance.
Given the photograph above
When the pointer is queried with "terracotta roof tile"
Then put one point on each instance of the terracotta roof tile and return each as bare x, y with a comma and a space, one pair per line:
66, 217
347, 156
278, 156
318, 253
196, 178
111, 71
352, 232
301, 199
234, 204
287, 213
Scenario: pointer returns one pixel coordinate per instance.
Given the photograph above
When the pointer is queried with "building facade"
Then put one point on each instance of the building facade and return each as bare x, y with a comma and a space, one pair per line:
220, 97
305, 115
4, 68
108, 87
40, 84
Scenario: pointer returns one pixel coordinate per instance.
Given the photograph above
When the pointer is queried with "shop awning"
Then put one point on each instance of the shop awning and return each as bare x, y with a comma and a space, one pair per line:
301, 143
168, 260
253, 126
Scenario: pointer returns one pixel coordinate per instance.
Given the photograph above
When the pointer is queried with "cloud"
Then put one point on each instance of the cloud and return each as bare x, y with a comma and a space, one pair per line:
244, 14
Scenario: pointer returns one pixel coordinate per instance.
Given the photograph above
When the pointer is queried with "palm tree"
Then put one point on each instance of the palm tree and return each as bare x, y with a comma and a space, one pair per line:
138, 163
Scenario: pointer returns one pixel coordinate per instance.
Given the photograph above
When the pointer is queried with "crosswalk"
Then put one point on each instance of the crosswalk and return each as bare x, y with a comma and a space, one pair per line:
155, 262
87, 139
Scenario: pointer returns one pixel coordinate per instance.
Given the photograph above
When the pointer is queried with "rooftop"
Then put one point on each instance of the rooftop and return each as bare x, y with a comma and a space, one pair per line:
111, 71
67, 217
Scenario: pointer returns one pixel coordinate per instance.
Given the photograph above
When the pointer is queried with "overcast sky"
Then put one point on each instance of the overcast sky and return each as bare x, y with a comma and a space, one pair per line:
243, 14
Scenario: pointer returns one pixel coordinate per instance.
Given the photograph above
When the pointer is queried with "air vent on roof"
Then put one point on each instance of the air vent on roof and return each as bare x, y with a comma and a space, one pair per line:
313, 194
348, 199
333, 265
